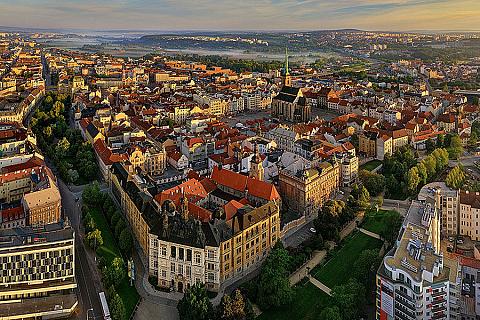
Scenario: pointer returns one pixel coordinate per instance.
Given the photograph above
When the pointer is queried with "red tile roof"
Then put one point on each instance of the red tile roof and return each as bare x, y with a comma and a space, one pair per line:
239, 182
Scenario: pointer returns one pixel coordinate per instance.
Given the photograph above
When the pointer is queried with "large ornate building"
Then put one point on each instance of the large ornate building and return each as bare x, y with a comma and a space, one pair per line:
206, 231
290, 104
305, 190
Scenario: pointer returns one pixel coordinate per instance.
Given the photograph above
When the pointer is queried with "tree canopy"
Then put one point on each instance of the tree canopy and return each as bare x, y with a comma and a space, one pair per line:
195, 304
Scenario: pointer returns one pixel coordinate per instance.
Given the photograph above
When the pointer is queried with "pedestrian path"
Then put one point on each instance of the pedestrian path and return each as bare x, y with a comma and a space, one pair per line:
302, 272
371, 234
319, 255
320, 285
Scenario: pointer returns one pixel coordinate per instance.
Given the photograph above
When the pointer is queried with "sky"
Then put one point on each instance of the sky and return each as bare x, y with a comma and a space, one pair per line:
163, 15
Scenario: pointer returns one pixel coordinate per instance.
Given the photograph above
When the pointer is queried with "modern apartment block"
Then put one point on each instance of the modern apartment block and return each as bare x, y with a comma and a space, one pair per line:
37, 272
415, 280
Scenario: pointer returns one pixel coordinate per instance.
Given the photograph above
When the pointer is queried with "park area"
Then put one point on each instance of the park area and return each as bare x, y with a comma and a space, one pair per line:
307, 304
371, 165
109, 251
336, 271
377, 221
309, 300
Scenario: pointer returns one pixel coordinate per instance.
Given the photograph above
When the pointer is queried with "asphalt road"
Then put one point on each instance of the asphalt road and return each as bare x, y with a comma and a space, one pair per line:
86, 291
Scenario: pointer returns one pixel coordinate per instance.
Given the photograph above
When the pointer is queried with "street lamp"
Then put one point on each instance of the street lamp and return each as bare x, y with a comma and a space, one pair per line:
91, 309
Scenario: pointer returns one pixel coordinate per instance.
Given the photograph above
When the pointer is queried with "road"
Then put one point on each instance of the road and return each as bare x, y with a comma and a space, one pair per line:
297, 236
86, 291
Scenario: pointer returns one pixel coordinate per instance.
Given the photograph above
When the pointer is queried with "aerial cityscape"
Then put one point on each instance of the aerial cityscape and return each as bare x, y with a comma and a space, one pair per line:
240, 160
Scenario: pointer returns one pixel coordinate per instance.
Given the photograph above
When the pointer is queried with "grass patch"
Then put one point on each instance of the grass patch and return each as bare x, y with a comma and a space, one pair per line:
375, 221
307, 304
371, 165
337, 270
109, 251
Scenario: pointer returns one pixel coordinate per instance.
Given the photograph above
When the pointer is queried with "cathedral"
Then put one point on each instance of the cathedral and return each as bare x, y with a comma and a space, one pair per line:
290, 104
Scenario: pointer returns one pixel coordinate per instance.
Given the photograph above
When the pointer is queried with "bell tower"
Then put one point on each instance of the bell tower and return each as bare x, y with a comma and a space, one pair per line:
287, 79
256, 166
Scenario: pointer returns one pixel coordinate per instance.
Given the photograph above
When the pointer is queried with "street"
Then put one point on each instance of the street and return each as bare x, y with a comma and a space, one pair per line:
86, 290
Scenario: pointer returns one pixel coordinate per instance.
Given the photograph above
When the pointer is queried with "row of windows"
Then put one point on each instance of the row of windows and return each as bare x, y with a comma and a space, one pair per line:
16, 270
37, 256
37, 276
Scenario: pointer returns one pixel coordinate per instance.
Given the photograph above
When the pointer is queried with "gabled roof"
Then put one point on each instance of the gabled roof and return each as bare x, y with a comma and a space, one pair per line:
239, 182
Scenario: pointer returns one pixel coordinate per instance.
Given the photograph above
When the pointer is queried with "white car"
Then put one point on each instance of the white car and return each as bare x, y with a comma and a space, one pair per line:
312, 230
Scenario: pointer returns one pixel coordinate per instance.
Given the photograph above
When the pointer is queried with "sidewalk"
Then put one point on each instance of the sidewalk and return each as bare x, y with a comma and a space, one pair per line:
320, 285
370, 233
302, 272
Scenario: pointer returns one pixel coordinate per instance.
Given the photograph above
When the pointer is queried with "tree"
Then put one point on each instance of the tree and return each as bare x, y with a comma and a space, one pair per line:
58, 108
92, 195
472, 141
195, 304
117, 308
430, 165
392, 223
89, 223
47, 132
350, 298
366, 265
72, 175
115, 273
363, 199
440, 141
331, 313
94, 239
422, 172
119, 227
430, 145
374, 182
115, 218
456, 148
126, 241
456, 178
274, 286
413, 179
233, 307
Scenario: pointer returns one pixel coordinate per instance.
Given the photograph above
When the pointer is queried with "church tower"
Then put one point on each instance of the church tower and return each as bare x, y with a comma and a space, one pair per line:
287, 80
256, 166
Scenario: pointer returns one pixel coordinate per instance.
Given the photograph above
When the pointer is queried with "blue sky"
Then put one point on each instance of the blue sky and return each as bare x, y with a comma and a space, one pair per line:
243, 14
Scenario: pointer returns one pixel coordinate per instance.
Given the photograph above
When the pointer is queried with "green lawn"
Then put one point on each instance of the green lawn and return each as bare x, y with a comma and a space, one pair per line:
371, 165
375, 221
307, 304
109, 251
337, 270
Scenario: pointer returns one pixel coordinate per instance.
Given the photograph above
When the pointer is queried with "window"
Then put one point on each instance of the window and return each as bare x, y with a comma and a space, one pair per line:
189, 254
198, 258
181, 253
172, 267
173, 252
163, 251
211, 254
211, 277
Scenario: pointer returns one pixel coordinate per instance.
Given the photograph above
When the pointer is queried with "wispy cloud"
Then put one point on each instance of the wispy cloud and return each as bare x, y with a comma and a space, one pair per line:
242, 14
